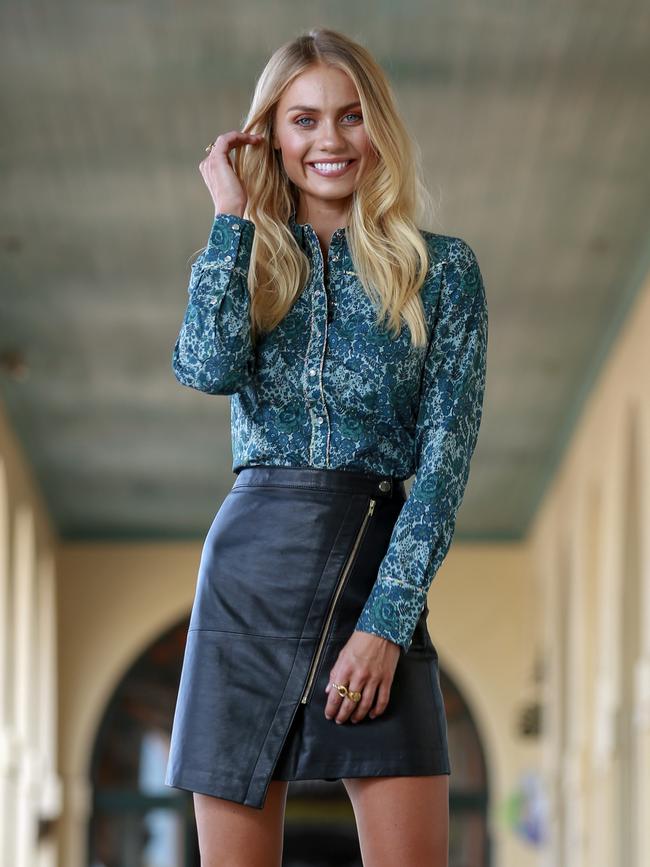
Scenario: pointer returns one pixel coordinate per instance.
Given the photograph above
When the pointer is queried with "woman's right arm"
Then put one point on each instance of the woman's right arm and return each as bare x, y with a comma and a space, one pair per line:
213, 352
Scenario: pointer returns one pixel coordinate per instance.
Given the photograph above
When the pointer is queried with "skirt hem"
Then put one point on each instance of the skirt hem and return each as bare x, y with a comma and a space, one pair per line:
329, 774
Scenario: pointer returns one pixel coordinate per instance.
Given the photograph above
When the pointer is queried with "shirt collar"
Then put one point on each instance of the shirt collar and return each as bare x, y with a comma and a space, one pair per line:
295, 227
299, 228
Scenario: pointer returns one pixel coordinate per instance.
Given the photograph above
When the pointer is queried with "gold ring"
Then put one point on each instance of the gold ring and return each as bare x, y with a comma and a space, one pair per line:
209, 147
344, 692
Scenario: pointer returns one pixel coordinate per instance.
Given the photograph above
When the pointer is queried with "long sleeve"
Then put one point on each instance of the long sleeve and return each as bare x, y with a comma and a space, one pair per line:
213, 352
449, 416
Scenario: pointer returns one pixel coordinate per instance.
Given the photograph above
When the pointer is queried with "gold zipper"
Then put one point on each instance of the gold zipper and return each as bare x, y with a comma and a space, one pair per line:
337, 593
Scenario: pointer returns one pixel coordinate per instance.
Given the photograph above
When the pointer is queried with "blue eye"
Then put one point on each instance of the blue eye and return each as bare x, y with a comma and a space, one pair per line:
350, 114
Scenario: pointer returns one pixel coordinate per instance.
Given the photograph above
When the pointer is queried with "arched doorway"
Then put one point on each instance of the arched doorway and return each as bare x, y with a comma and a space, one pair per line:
469, 844
137, 820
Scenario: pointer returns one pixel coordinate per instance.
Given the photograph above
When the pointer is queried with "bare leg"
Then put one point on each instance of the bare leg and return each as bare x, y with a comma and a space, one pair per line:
236, 835
402, 820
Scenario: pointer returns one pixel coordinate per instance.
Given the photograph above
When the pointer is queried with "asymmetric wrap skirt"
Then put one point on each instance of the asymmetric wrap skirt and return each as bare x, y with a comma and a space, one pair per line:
286, 568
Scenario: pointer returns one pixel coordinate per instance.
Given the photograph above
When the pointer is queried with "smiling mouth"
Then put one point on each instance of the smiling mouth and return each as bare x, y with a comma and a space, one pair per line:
331, 168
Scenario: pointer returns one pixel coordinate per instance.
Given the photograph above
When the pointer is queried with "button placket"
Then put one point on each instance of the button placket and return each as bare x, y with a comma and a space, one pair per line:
319, 447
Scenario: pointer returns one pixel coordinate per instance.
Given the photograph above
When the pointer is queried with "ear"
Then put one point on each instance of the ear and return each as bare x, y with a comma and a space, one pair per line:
275, 141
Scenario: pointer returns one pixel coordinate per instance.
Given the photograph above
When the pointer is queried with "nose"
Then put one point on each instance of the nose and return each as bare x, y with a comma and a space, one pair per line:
331, 135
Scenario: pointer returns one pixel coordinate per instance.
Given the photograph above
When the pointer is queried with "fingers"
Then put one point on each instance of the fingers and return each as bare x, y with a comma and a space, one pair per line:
225, 142
218, 172
382, 700
340, 708
217, 160
366, 664
359, 711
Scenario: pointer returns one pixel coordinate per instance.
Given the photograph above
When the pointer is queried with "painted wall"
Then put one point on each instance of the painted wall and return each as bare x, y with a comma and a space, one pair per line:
30, 789
591, 547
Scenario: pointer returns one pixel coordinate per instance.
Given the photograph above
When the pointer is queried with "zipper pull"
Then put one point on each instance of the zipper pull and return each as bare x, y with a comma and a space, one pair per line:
372, 506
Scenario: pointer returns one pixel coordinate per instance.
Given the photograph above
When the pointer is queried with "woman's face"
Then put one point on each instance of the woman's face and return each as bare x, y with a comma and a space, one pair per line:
318, 120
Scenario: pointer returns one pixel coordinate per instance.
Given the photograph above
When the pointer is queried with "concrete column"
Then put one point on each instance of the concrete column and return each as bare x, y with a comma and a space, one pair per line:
78, 798
24, 692
7, 746
642, 672
49, 796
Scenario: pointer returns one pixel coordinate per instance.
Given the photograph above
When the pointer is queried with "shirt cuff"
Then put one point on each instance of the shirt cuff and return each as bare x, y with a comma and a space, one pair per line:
230, 243
392, 611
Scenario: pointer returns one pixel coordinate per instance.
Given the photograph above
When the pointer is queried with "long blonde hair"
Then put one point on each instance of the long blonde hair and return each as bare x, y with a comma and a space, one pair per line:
389, 254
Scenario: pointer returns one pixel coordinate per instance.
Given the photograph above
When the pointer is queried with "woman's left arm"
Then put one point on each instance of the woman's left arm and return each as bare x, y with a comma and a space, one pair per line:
450, 410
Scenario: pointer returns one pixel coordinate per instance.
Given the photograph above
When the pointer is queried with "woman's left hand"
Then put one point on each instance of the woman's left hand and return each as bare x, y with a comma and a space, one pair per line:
366, 663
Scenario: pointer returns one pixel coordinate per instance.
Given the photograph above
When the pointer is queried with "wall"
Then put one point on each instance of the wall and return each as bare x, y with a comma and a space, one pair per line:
30, 790
591, 547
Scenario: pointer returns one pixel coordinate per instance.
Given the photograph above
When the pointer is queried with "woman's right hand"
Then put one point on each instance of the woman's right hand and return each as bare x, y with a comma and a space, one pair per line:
227, 191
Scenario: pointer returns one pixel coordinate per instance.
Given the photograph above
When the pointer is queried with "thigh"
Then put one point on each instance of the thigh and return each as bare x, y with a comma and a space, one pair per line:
238, 835
402, 820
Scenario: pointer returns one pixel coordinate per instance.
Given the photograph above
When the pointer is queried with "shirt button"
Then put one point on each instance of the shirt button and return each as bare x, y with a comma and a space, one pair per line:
319, 419
227, 258
312, 372
235, 225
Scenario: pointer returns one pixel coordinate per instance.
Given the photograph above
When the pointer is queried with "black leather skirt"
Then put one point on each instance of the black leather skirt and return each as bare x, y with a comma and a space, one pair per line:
286, 568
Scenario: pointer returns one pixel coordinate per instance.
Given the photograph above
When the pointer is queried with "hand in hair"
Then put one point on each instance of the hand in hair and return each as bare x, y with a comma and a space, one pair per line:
227, 191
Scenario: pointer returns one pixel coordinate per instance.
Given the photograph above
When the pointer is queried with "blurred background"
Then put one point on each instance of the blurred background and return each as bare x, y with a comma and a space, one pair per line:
534, 128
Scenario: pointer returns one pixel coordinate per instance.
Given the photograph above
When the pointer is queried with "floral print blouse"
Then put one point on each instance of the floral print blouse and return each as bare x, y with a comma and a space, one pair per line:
327, 388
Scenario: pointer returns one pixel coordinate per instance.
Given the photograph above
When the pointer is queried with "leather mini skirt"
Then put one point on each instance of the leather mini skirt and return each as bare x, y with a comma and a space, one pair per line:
285, 570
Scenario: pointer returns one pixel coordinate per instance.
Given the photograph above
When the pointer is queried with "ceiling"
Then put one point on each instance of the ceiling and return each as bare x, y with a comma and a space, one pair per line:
534, 128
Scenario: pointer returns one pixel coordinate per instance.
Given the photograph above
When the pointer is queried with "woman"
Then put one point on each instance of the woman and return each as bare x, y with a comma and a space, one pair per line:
352, 345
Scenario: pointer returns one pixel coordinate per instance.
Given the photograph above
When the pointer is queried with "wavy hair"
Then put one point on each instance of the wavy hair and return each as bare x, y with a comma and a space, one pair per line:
388, 251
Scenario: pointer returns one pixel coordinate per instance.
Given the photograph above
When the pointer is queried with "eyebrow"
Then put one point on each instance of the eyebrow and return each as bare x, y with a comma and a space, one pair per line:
312, 108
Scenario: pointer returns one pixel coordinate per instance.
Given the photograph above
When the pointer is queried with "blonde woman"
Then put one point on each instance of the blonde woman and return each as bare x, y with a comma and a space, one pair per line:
352, 345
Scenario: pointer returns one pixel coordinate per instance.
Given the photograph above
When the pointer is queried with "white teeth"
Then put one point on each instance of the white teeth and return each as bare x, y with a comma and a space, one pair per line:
331, 167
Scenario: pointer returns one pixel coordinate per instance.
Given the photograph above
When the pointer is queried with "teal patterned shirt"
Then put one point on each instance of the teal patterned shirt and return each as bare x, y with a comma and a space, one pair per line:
327, 388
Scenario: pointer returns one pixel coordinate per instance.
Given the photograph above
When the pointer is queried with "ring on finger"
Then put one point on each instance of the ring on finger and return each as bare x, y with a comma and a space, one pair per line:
344, 692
